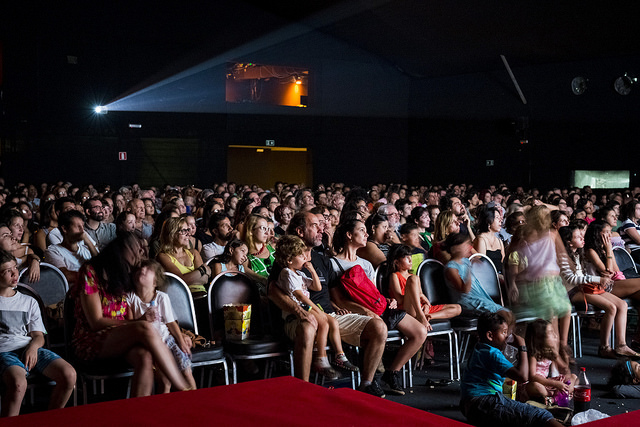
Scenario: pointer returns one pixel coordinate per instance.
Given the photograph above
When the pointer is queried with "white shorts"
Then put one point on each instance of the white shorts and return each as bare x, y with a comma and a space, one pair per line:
351, 327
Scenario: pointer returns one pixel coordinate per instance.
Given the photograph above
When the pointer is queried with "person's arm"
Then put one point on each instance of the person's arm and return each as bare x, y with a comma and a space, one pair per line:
40, 240
633, 234
453, 276
341, 300
521, 373
89, 243
315, 280
600, 267
372, 253
252, 274
194, 277
288, 305
183, 341
92, 308
547, 382
30, 355
394, 289
33, 261
480, 245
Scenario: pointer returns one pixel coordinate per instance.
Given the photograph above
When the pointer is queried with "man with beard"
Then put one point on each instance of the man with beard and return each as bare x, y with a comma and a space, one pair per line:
222, 231
355, 329
69, 255
101, 233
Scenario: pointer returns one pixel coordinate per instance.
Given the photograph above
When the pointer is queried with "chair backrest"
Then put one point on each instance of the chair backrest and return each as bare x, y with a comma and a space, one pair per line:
181, 302
431, 274
625, 262
485, 272
52, 286
69, 324
382, 280
232, 287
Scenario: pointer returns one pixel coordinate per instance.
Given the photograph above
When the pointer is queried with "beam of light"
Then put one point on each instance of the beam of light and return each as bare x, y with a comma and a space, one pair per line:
100, 109
201, 89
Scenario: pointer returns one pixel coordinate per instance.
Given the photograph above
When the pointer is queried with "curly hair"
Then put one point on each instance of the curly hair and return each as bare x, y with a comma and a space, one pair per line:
289, 246
168, 235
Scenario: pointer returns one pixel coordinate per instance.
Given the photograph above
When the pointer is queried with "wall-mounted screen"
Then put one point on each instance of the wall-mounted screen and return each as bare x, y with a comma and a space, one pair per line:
601, 179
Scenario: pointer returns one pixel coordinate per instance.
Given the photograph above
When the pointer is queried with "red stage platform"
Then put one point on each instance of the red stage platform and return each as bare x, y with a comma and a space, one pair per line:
284, 401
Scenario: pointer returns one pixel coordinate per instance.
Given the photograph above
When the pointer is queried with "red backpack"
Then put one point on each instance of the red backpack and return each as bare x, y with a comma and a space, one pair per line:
361, 289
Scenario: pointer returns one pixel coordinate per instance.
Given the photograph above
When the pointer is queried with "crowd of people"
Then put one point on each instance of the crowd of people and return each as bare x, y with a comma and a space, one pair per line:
305, 248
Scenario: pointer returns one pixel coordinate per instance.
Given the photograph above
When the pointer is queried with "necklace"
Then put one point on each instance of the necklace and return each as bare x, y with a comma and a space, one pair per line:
260, 251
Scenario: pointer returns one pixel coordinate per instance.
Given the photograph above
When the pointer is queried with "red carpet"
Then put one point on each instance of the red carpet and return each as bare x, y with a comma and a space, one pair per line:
284, 401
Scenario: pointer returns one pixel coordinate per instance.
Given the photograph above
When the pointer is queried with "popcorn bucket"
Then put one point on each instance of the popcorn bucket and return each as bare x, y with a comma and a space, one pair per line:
237, 320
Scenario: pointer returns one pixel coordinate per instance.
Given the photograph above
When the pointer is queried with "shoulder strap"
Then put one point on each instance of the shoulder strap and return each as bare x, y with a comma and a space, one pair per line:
339, 265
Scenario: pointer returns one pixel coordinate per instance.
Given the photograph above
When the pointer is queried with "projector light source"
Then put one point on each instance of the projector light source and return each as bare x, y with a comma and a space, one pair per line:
101, 110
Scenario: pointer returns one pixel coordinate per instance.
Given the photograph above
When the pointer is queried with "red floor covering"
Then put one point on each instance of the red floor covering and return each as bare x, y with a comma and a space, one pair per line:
283, 401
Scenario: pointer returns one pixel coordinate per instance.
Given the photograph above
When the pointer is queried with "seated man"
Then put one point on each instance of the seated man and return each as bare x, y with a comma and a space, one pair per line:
75, 248
222, 231
355, 329
481, 398
100, 232
21, 341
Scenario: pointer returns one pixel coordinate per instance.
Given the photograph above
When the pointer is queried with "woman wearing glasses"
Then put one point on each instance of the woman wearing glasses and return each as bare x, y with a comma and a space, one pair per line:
176, 257
255, 234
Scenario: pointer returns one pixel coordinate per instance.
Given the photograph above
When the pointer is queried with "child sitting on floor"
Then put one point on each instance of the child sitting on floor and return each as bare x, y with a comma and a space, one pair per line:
542, 343
21, 340
292, 254
140, 307
481, 398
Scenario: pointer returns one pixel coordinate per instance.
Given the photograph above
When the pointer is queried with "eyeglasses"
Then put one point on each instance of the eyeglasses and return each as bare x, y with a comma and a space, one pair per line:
184, 231
262, 228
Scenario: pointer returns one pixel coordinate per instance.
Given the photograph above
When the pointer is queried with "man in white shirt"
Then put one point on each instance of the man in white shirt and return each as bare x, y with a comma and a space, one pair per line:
222, 231
75, 248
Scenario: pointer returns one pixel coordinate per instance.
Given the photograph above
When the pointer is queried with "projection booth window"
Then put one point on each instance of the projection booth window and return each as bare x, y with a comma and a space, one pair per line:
267, 84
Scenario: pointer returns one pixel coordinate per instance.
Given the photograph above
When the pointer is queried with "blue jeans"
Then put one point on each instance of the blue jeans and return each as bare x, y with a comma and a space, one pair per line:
496, 410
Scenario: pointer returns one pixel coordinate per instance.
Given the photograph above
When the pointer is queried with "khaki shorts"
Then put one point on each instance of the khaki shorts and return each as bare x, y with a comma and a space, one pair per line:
351, 326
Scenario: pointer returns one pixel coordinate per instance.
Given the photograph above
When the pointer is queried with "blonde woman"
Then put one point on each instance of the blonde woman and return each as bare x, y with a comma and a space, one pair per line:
256, 235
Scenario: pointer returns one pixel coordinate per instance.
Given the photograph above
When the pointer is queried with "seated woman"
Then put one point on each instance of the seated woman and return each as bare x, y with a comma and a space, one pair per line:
283, 217
420, 216
446, 223
587, 206
434, 211
609, 216
102, 331
595, 290
559, 219
349, 237
255, 234
168, 211
30, 224
487, 241
511, 224
406, 288
48, 223
175, 257
125, 222
194, 243
149, 211
630, 229
376, 249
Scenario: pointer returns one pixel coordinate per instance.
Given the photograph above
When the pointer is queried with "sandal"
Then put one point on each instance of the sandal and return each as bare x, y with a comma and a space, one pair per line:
626, 352
606, 352
198, 291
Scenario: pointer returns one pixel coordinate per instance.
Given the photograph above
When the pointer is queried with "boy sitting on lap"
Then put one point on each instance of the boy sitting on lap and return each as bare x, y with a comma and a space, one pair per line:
481, 400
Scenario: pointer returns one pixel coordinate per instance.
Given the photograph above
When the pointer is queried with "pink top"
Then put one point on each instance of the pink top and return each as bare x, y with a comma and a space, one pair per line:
541, 257
542, 367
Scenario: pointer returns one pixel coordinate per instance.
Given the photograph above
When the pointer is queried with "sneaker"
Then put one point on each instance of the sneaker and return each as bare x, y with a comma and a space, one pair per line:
345, 365
373, 389
328, 372
391, 378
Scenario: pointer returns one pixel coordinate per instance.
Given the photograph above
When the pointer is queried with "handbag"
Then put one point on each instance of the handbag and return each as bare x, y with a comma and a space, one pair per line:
361, 290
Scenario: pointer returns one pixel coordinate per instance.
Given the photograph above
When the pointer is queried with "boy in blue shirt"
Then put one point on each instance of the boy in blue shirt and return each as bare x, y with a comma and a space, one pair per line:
481, 398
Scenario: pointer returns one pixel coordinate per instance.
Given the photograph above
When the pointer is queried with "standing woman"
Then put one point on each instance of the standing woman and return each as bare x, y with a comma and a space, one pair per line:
175, 256
101, 331
255, 234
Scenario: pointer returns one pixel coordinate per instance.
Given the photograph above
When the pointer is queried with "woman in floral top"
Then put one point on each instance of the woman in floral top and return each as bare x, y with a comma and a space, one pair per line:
101, 331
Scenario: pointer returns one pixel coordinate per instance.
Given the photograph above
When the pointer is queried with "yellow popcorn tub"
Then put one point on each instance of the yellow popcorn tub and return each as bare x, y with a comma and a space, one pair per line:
509, 388
237, 320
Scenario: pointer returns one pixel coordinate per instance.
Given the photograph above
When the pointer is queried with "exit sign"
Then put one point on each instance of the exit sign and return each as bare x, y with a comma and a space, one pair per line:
490, 162
122, 155
270, 143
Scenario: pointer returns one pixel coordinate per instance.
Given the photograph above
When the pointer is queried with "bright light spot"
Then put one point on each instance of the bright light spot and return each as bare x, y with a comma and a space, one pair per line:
298, 82
100, 110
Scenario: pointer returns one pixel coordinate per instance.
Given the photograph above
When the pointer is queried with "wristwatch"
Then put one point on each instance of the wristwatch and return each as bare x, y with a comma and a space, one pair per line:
522, 348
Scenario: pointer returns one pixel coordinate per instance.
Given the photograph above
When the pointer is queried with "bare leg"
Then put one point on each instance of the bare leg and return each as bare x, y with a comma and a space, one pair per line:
15, 381
124, 338
188, 376
303, 350
142, 380
373, 339
322, 334
448, 311
536, 390
334, 334
415, 333
163, 386
411, 304
65, 377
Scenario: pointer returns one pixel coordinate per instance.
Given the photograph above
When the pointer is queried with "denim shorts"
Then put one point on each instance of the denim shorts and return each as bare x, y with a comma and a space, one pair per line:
14, 358
495, 409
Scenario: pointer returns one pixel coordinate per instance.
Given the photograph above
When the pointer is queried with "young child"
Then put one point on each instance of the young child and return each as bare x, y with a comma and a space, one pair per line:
466, 288
146, 281
293, 256
21, 340
406, 289
410, 235
481, 398
542, 343
233, 258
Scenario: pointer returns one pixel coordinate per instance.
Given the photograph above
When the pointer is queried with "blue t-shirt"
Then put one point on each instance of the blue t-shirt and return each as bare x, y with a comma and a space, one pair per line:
477, 298
485, 372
